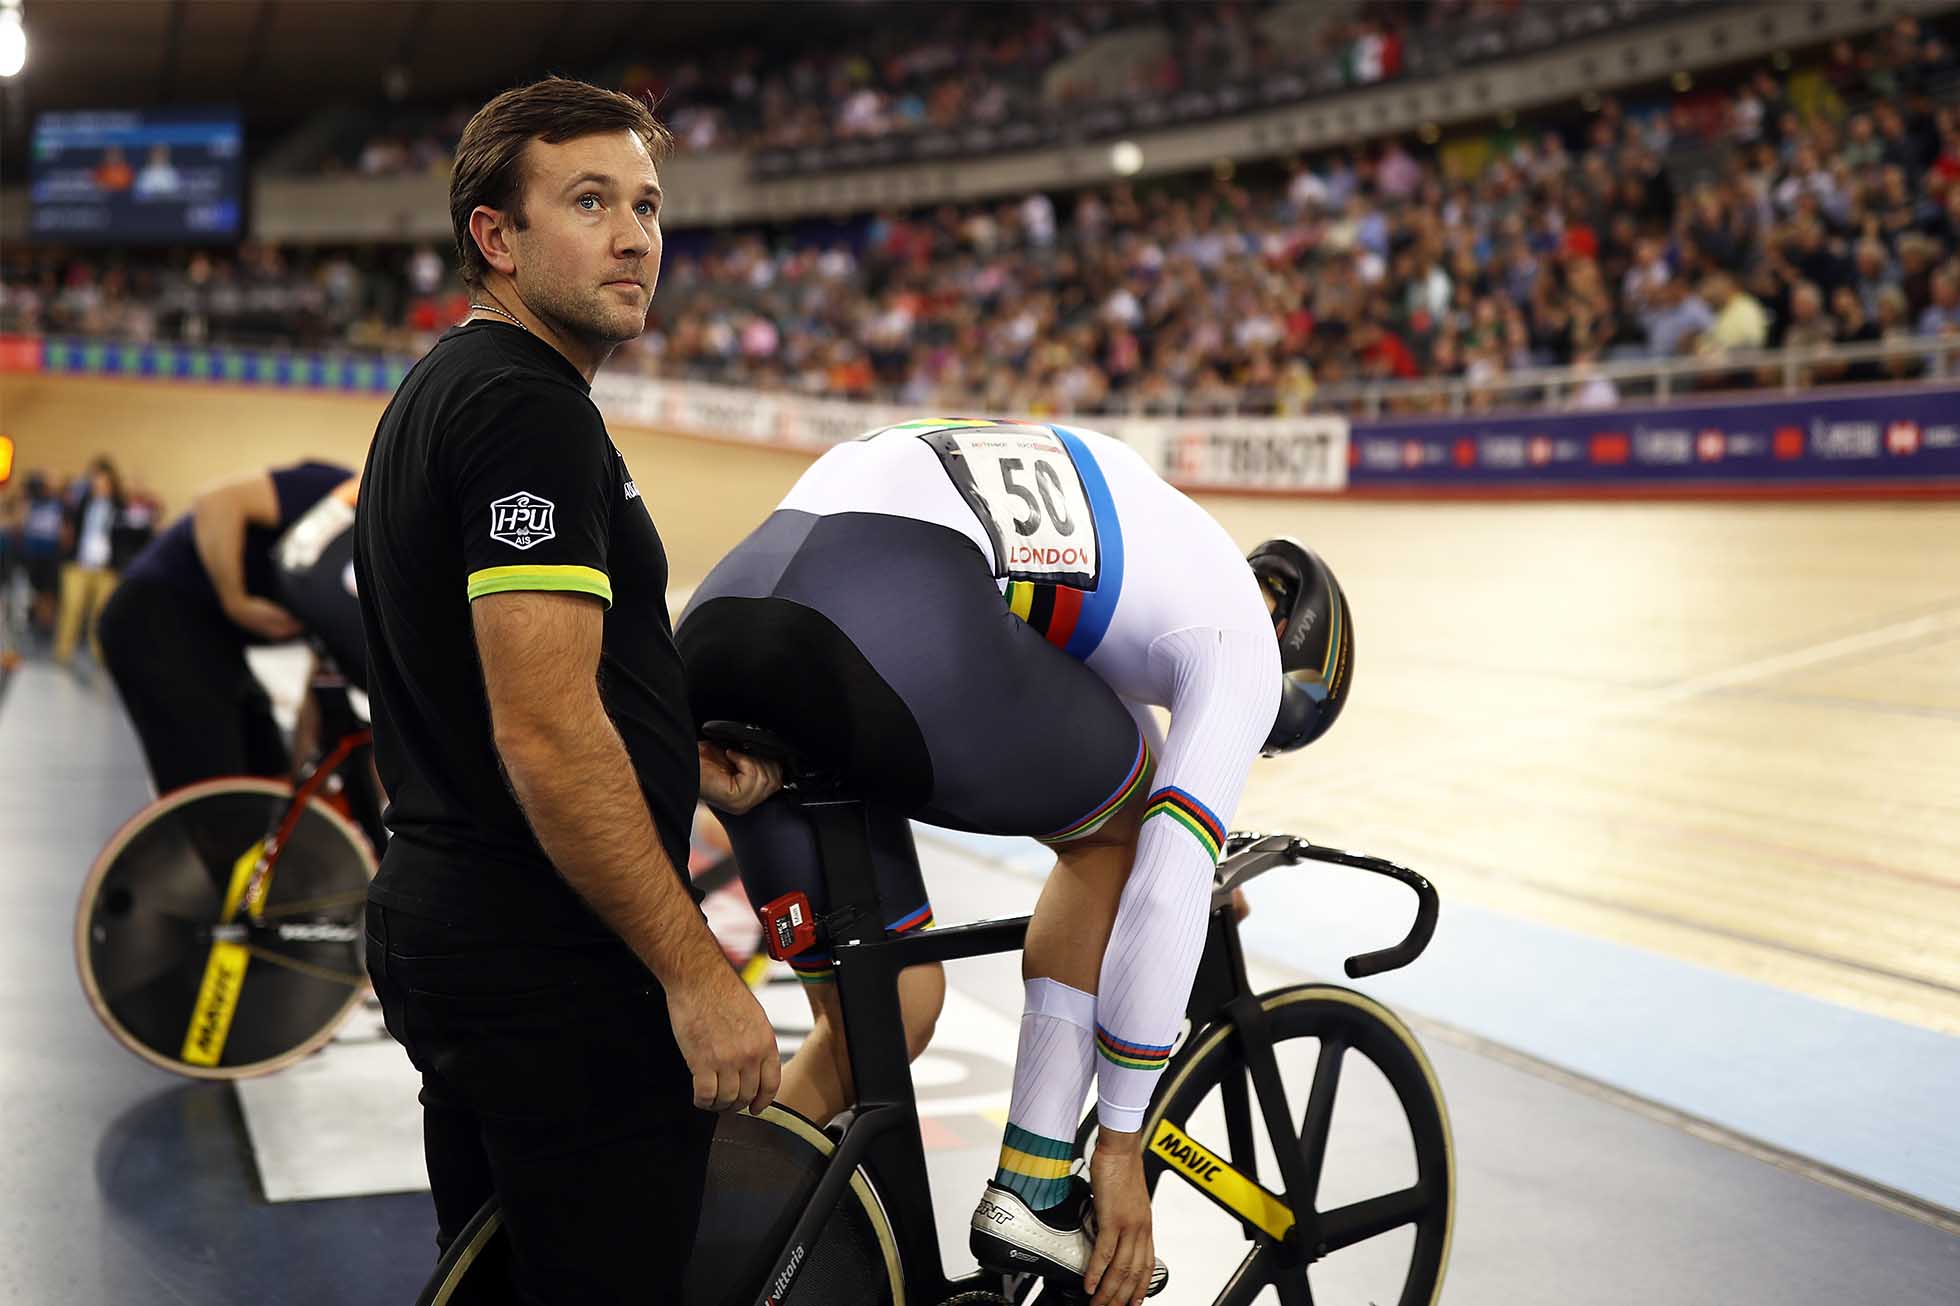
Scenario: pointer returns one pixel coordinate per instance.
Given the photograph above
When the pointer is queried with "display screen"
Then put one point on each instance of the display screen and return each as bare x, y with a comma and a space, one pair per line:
141, 176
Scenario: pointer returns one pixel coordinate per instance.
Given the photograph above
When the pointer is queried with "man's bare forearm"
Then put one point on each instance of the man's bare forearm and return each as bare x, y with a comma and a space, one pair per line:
576, 786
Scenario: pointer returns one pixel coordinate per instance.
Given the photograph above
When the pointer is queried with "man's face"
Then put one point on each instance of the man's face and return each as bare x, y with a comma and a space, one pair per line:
588, 258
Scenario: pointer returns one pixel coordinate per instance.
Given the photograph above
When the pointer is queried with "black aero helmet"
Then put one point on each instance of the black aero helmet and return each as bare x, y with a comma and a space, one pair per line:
1316, 641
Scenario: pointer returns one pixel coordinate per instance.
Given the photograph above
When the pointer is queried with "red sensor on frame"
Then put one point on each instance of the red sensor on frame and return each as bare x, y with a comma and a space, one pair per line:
788, 927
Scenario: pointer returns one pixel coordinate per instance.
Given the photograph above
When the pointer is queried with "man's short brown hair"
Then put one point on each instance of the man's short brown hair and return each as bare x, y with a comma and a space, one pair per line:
490, 158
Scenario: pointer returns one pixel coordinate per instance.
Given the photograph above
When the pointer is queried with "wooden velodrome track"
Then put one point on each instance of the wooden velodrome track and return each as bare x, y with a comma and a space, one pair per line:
1729, 733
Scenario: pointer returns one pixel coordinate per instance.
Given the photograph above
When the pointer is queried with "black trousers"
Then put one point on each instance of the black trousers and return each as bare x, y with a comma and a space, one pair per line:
184, 681
550, 1077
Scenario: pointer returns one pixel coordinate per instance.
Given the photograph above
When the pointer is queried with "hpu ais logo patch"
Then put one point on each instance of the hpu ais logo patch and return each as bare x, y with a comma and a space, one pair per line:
521, 520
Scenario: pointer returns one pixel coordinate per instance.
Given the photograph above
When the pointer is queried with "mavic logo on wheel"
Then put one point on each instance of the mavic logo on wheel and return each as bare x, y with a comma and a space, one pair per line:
1219, 1181
1189, 1156
521, 520
217, 1000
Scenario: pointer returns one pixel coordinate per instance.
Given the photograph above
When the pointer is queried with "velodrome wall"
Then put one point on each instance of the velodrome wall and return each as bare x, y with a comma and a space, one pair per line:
178, 419
179, 437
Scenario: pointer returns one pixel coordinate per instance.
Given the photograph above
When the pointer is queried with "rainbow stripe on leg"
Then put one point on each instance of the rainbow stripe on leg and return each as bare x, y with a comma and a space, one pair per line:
1139, 767
1131, 1056
813, 967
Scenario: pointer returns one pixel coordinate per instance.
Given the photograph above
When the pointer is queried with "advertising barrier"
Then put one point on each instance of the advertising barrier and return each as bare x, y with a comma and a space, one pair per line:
367, 374
1280, 454
1822, 442
1899, 440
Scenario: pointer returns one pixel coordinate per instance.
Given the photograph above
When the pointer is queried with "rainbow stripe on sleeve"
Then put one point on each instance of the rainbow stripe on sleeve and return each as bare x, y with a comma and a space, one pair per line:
1131, 1056
1193, 815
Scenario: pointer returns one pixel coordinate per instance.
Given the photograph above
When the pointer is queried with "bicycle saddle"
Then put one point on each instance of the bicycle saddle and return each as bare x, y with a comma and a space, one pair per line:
798, 772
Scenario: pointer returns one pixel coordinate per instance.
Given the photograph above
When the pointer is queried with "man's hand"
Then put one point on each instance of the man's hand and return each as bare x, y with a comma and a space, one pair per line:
735, 782
727, 1041
264, 617
1119, 1267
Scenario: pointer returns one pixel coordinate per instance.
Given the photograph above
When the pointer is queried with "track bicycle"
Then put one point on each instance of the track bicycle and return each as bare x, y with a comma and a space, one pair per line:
803, 1216
219, 933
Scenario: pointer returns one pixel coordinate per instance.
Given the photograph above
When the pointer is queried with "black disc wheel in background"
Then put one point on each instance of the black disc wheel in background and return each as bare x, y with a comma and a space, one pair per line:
1364, 1097
761, 1172
143, 929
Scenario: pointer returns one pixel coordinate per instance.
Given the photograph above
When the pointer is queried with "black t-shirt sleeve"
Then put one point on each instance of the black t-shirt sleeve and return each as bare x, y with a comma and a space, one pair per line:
533, 487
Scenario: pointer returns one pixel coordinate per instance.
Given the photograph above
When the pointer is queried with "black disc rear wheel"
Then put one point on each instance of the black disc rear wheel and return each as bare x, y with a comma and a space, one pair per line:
761, 1172
145, 931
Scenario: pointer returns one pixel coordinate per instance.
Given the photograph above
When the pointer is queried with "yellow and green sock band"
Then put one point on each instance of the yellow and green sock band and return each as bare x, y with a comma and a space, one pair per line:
1035, 1167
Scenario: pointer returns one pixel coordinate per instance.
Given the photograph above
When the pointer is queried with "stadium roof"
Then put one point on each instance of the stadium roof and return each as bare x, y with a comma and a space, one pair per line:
282, 59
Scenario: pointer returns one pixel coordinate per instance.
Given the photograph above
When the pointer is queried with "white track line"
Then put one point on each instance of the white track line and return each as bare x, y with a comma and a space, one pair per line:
1503, 742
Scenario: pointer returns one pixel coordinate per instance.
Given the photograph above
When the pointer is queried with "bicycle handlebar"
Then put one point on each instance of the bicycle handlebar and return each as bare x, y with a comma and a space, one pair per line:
1249, 855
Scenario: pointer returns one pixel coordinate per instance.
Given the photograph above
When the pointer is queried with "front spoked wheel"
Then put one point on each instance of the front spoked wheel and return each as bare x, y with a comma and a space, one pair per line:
1367, 1114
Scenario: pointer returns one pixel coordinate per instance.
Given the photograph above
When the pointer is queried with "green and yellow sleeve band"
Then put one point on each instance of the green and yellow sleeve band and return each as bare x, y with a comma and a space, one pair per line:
578, 580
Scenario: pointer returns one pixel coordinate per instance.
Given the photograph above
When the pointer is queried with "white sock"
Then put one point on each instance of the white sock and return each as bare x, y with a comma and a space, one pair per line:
1053, 1067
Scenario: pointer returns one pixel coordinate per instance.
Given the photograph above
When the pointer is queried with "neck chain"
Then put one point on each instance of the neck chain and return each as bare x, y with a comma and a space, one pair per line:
491, 308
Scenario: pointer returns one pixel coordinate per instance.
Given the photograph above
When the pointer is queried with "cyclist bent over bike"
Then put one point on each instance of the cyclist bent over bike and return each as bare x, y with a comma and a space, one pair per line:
970, 619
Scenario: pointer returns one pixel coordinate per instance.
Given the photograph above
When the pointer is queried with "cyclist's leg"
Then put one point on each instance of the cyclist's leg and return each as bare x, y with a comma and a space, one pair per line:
817, 1081
1072, 921
775, 846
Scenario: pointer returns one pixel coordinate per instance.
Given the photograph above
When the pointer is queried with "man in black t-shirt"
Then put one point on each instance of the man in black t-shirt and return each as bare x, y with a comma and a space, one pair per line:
531, 932
175, 631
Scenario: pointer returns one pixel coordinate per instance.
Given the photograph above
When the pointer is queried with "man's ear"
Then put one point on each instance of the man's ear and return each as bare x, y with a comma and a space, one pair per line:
491, 229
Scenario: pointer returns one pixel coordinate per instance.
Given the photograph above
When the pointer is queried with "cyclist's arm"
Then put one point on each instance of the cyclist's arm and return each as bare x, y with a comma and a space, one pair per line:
1224, 694
571, 775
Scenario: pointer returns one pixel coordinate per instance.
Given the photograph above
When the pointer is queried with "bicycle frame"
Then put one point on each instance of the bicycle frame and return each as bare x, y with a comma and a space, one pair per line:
884, 1134
351, 738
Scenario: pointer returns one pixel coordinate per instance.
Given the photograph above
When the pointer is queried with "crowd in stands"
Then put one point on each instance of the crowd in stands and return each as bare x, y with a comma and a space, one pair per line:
372, 297
1711, 223
956, 65
1789, 208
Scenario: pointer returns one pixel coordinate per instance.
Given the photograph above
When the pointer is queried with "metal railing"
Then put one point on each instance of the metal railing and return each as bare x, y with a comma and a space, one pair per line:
1787, 370
1903, 360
